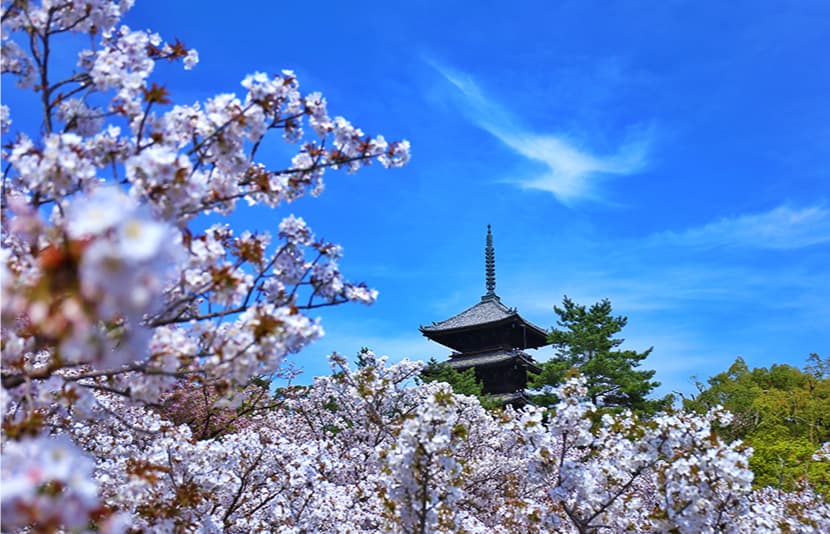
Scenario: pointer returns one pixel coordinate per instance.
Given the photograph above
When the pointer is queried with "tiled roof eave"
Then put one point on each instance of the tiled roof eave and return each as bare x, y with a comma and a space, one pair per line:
434, 330
488, 310
479, 361
506, 398
534, 326
491, 359
475, 326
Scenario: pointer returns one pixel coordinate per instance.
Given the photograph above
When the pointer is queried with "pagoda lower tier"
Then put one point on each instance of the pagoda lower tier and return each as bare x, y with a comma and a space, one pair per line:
502, 373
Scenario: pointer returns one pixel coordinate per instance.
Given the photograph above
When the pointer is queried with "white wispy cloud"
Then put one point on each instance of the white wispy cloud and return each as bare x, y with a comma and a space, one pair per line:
571, 170
782, 228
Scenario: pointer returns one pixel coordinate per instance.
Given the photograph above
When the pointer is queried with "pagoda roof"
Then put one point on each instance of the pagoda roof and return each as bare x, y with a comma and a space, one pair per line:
495, 357
489, 310
486, 313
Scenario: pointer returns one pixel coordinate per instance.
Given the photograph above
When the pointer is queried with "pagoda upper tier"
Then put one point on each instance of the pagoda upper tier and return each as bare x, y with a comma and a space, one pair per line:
489, 324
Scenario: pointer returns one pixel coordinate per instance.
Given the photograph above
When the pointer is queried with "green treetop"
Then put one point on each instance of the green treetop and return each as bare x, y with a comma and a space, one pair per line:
584, 341
782, 412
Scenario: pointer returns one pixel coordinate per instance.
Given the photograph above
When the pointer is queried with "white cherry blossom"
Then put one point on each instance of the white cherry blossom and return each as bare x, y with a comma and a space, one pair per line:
138, 343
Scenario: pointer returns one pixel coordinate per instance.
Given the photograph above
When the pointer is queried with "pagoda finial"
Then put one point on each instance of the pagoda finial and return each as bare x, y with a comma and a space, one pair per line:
490, 265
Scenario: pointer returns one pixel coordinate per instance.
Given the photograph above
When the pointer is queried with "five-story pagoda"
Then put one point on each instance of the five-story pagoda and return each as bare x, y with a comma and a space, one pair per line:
491, 338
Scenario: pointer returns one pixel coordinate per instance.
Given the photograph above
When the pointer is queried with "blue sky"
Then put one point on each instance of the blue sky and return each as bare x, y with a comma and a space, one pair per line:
670, 156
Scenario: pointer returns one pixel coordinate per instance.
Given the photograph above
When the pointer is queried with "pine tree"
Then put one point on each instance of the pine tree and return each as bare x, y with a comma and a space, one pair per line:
584, 341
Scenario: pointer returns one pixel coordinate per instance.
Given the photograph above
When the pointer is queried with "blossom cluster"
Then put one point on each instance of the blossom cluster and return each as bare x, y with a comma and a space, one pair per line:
114, 293
104, 273
368, 449
47, 481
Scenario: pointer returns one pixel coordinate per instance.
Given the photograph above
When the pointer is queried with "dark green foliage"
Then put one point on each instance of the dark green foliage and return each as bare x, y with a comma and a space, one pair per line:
782, 412
361, 360
817, 366
462, 382
585, 342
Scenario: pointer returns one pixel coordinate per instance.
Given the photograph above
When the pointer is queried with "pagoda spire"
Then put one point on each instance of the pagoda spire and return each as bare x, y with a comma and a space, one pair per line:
490, 267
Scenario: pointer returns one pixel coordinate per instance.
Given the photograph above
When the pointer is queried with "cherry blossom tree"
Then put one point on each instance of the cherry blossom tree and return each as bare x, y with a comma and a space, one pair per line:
108, 290
137, 347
